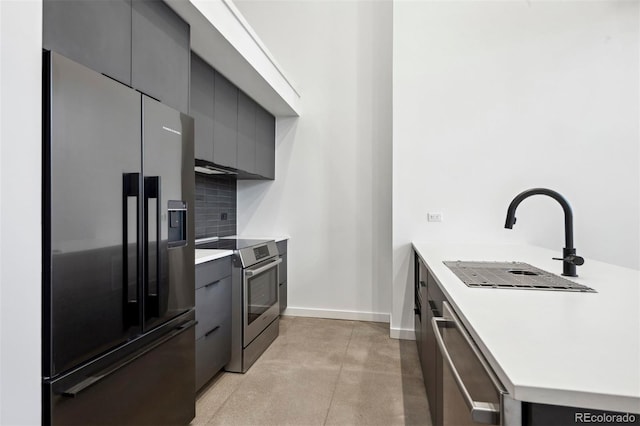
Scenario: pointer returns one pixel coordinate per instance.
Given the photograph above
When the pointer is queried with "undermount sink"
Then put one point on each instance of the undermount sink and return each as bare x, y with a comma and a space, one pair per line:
511, 275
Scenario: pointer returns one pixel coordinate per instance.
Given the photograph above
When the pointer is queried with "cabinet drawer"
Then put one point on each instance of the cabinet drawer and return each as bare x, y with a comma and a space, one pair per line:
209, 272
212, 353
157, 380
213, 304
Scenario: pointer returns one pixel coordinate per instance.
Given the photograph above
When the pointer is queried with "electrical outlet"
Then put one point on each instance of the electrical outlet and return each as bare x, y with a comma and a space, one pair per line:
223, 216
434, 217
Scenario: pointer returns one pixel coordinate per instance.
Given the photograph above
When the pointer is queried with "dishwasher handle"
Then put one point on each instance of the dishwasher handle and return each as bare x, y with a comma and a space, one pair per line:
481, 411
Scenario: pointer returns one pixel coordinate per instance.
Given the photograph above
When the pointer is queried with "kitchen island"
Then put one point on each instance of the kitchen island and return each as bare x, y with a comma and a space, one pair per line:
574, 349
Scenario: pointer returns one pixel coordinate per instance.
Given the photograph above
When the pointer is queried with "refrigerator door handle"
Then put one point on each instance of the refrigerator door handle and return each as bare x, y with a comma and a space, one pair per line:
131, 267
75, 390
152, 241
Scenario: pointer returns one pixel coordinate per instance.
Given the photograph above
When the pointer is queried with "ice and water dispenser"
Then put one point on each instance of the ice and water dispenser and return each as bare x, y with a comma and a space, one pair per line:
177, 223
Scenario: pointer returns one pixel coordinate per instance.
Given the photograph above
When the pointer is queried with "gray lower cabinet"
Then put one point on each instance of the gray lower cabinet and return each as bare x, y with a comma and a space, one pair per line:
282, 273
96, 34
430, 358
534, 414
160, 52
213, 314
225, 122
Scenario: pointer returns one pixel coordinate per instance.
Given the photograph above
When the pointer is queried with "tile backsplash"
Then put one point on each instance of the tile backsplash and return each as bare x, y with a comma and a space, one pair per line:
215, 197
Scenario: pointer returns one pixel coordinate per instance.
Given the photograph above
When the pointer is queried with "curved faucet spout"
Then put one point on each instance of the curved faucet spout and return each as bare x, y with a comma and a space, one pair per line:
569, 258
568, 214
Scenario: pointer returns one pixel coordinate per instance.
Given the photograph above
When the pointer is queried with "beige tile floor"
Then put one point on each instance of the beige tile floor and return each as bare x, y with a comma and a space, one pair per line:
322, 372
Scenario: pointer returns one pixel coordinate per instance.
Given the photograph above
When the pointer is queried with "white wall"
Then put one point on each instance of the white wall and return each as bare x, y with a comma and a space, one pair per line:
332, 192
20, 227
491, 98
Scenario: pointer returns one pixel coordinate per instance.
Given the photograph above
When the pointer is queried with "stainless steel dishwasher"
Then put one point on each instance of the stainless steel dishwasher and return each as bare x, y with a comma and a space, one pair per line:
472, 394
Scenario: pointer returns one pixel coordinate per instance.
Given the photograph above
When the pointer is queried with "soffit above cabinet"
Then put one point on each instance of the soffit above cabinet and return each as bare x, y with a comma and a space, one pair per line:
222, 37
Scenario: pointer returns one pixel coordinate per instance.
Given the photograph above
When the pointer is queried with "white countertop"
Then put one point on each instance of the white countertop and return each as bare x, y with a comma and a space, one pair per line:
562, 348
207, 255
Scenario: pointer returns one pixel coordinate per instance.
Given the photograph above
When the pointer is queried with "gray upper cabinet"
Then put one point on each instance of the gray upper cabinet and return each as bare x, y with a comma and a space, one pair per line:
231, 129
141, 43
160, 53
202, 90
225, 122
265, 144
246, 133
96, 34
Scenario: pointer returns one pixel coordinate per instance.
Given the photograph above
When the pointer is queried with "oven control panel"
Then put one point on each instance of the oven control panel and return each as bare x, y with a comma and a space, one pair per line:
261, 252
251, 255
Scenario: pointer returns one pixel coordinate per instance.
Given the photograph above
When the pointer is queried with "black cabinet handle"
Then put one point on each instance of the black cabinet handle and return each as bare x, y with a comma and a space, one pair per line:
211, 331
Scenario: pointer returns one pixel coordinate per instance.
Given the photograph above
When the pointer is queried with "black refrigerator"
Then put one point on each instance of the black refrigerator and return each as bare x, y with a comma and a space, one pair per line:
118, 253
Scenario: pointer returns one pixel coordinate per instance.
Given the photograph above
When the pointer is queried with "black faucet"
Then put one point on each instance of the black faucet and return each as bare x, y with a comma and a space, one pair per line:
569, 258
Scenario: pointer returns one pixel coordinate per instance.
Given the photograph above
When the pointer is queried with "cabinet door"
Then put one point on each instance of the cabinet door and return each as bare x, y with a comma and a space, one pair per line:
213, 305
213, 351
96, 34
160, 53
282, 269
202, 77
433, 379
246, 133
210, 272
225, 122
428, 362
282, 294
265, 143
417, 329
282, 247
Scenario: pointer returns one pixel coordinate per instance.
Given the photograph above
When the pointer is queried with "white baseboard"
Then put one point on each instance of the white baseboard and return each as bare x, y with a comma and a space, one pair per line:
335, 314
402, 333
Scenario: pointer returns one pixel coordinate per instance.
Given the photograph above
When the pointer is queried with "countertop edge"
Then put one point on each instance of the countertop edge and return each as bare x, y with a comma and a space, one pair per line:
211, 255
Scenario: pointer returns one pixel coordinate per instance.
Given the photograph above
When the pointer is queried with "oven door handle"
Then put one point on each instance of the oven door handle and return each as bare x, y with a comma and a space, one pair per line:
251, 272
481, 411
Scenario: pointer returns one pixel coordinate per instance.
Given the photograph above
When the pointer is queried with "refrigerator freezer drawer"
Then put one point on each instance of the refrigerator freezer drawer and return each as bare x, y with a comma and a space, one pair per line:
153, 387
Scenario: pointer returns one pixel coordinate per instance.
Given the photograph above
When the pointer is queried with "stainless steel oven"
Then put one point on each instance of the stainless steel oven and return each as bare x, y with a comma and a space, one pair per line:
260, 291
255, 305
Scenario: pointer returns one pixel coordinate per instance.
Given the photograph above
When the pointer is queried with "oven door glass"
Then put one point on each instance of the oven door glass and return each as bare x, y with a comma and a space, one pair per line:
262, 293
